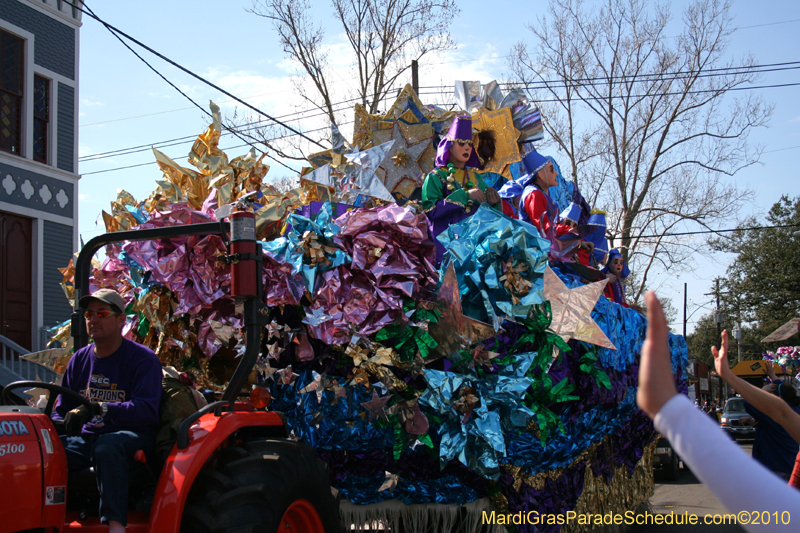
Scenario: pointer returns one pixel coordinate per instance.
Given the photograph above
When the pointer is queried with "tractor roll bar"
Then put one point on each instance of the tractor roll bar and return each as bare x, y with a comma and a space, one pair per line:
254, 310
83, 265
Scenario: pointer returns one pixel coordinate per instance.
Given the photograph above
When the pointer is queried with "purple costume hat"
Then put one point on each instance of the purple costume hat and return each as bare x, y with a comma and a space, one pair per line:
460, 130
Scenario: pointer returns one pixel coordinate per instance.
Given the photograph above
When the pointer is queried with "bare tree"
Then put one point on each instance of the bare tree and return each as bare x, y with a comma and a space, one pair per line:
384, 35
645, 118
285, 183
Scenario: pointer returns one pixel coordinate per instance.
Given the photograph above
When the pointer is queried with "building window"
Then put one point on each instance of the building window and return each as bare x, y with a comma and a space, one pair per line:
41, 117
11, 76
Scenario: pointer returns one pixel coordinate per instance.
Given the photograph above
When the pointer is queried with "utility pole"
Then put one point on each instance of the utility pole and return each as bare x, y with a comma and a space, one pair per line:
739, 325
415, 75
684, 310
717, 314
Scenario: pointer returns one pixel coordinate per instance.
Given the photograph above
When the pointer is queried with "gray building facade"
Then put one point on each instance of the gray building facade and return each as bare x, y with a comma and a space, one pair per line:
39, 59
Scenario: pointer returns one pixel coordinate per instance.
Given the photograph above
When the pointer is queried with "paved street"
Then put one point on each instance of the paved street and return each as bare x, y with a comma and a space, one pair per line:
688, 495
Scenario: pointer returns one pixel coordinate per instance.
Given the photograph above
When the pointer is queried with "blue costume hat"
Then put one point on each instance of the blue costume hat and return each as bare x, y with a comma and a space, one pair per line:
573, 212
510, 189
611, 255
532, 162
598, 237
597, 219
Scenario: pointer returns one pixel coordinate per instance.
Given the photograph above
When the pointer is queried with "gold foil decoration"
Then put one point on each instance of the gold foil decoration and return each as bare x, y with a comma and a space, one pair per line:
249, 172
363, 127
513, 280
414, 133
271, 219
55, 359
400, 158
63, 335
320, 159
572, 310
624, 492
505, 136
400, 103
191, 185
409, 117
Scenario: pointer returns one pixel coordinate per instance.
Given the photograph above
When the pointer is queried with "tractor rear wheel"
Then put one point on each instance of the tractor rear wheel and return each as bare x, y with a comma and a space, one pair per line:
263, 486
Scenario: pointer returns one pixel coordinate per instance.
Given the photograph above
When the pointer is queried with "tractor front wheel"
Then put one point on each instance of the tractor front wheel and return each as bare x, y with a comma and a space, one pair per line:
263, 486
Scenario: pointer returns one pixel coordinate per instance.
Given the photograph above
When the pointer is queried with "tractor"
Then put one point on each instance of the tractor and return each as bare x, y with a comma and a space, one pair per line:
233, 467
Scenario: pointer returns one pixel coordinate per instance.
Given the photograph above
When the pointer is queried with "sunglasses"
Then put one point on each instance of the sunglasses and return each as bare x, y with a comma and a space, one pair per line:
103, 313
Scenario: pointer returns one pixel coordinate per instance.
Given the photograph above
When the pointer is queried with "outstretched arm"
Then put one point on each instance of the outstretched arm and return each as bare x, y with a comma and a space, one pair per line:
699, 441
767, 403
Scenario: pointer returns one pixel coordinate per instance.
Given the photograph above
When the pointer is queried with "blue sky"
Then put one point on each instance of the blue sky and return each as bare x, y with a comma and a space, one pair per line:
124, 104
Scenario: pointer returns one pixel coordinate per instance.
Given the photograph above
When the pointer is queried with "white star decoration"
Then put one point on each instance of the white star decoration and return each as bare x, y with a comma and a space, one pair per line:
572, 310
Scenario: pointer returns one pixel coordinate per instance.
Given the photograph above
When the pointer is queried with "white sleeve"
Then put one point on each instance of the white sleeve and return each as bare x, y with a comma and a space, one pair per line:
739, 482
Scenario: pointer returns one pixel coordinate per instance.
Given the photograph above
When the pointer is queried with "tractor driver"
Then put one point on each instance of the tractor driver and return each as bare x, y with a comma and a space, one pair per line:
122, 379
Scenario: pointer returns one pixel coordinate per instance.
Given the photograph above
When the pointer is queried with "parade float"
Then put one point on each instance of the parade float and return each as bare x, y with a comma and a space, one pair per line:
499, 381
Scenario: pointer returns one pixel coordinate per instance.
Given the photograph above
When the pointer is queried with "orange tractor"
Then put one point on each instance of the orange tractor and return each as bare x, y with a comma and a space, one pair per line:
232, 469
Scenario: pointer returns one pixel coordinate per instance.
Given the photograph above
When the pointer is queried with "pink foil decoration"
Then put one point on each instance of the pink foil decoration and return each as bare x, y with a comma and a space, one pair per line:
392, 246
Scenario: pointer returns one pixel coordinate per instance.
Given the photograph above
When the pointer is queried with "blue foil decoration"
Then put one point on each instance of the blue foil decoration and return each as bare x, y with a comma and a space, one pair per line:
479, 247
289, 248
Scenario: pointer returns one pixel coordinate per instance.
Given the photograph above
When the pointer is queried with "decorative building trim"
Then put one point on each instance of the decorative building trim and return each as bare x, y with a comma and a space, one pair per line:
36, 192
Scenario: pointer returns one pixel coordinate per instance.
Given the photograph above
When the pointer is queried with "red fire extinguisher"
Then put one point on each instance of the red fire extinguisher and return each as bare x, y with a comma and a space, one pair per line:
243, 250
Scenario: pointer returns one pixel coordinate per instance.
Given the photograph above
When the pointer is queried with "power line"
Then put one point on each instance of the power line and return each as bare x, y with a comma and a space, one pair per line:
767, 24
172, 110
462, 60
112, 31
178, 140
245, 127
179, 158
187, 71
659, 76
252, 125
603, 98
700, 232
781, 149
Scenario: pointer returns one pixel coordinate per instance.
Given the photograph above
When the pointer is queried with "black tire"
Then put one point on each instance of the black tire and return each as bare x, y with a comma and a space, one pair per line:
249, 488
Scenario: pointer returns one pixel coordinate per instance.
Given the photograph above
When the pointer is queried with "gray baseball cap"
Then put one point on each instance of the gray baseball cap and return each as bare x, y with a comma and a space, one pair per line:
108, 296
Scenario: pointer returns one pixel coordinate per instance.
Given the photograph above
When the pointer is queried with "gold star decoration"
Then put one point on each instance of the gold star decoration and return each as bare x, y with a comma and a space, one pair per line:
400, 158
286, 376
572, 310
501, 124
376, 406
315, 386
400, 171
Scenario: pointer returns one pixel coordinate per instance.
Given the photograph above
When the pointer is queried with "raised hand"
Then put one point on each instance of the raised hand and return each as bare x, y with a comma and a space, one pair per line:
656, 385
721, 356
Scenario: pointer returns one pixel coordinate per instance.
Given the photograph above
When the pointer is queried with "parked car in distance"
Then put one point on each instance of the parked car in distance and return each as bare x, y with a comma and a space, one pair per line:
666, 462
735, 421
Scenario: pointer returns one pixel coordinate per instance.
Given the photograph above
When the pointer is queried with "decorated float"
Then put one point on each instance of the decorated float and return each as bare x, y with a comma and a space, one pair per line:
498, 382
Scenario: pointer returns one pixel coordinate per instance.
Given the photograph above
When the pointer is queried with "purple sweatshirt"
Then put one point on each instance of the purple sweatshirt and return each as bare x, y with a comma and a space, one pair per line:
129, 381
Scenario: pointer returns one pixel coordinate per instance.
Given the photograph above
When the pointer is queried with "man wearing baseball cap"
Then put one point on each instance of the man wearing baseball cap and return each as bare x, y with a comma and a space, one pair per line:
122, 379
